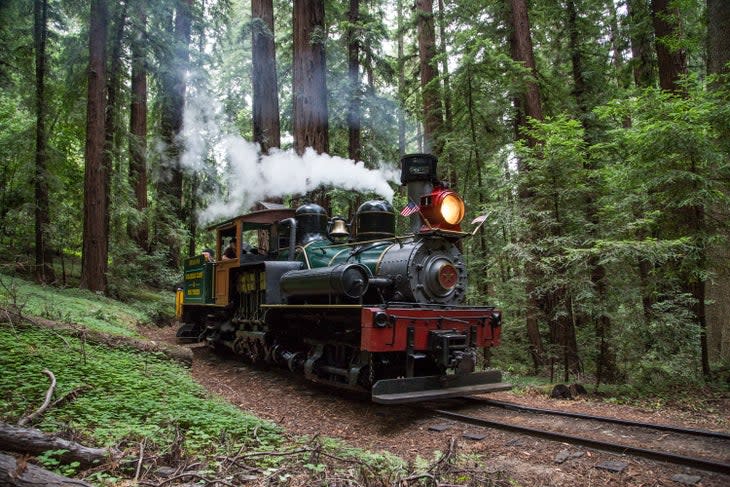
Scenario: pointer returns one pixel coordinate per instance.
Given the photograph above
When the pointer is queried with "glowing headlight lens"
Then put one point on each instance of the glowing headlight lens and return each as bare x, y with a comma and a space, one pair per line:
452, 209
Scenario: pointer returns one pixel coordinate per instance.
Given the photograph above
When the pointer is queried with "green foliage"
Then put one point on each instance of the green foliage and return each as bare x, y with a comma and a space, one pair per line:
82, 307
130, 395
48, 460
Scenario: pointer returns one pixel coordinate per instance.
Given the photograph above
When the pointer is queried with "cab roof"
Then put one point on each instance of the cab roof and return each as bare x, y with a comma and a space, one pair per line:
255, 220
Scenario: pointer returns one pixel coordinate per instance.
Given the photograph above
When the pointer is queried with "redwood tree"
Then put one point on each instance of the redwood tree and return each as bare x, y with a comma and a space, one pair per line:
353, 73
430, 92
95, 237
43, 254
641, 33
174, 87
690, 218
672, 61
266, 129
310, 89
138, 127
718, 289
527, 105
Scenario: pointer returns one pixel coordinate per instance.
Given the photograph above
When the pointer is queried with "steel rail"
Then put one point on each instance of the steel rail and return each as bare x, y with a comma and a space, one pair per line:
699, 463
605, 419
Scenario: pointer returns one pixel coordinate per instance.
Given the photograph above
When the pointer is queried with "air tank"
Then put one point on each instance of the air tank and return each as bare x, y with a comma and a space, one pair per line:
342, 280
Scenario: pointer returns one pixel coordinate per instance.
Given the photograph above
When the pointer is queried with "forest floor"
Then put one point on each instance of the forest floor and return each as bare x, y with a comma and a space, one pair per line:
303, 408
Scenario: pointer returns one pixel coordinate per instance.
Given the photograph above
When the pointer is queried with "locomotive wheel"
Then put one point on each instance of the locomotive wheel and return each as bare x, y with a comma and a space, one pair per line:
251, 351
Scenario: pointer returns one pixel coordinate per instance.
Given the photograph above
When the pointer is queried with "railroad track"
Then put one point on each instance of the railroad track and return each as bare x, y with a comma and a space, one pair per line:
610, 446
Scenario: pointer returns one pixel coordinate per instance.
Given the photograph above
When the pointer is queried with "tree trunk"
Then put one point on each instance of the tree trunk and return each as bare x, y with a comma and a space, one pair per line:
477, 159
606, 362
617, 48
718, 36
432, 118
718, 290
445, 65
641, 35
173, 104
353, 63
266, 130
311, 117
691, 219
672, 63
112, 93
311, 122
95, 237
192, 210
453, 174
138, 129
43, 253
527, 105
21, 474
33, 441
401, 83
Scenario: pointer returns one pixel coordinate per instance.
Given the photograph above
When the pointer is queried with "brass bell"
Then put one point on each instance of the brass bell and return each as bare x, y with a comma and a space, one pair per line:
338, 228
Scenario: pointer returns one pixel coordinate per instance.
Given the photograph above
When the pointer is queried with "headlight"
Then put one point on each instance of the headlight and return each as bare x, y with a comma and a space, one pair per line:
441, 210
452, 209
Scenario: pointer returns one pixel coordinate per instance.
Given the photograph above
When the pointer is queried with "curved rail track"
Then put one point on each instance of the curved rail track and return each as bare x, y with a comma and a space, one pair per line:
604, 419
694, 462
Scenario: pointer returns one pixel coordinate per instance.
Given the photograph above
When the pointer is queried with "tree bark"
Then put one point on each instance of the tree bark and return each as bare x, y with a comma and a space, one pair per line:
690, 219
138, 129
112, 92
641, 35
672, 63
606, 362
527, 105
311, 122
21, 474
33, 441
43, 254
718, 290
430, 92
718, 36
95, 237
266, 124
353, 74
401, 83
447, 121
174, 87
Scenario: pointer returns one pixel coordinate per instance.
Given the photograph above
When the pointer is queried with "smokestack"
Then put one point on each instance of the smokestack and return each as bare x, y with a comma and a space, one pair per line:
418, 174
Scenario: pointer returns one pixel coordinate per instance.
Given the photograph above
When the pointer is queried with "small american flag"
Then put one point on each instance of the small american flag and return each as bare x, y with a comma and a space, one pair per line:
410, 209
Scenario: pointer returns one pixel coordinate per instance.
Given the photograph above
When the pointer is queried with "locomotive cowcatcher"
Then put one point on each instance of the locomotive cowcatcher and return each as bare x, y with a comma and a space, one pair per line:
364, 309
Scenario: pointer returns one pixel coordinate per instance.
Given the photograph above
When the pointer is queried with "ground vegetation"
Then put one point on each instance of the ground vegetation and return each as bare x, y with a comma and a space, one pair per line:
593, 135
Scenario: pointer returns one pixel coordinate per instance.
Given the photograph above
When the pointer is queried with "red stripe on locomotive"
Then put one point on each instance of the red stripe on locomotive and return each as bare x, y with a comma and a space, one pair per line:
393, 336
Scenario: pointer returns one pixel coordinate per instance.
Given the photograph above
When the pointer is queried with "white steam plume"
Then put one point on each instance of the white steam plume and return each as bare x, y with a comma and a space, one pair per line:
252, 177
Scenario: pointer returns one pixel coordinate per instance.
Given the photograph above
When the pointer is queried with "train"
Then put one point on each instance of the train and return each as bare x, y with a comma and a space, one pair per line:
349, 304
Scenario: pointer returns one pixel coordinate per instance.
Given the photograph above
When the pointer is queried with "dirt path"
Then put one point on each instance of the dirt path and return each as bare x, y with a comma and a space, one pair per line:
303, 408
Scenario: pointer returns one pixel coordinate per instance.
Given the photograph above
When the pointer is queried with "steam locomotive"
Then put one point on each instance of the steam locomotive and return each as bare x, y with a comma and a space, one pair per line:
364, 310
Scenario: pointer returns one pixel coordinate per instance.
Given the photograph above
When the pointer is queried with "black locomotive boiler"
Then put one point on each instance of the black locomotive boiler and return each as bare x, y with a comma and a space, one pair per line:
365, 310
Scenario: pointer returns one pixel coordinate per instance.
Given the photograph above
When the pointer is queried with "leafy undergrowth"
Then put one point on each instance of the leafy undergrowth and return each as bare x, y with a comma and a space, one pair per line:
81, 307
132, 398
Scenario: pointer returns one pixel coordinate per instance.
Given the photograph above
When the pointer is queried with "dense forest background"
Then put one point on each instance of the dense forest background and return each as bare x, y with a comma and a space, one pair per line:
594, 134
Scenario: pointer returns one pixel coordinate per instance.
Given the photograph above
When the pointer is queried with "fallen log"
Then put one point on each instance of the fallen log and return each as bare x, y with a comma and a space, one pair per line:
33, 441
15, 473
174, 352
